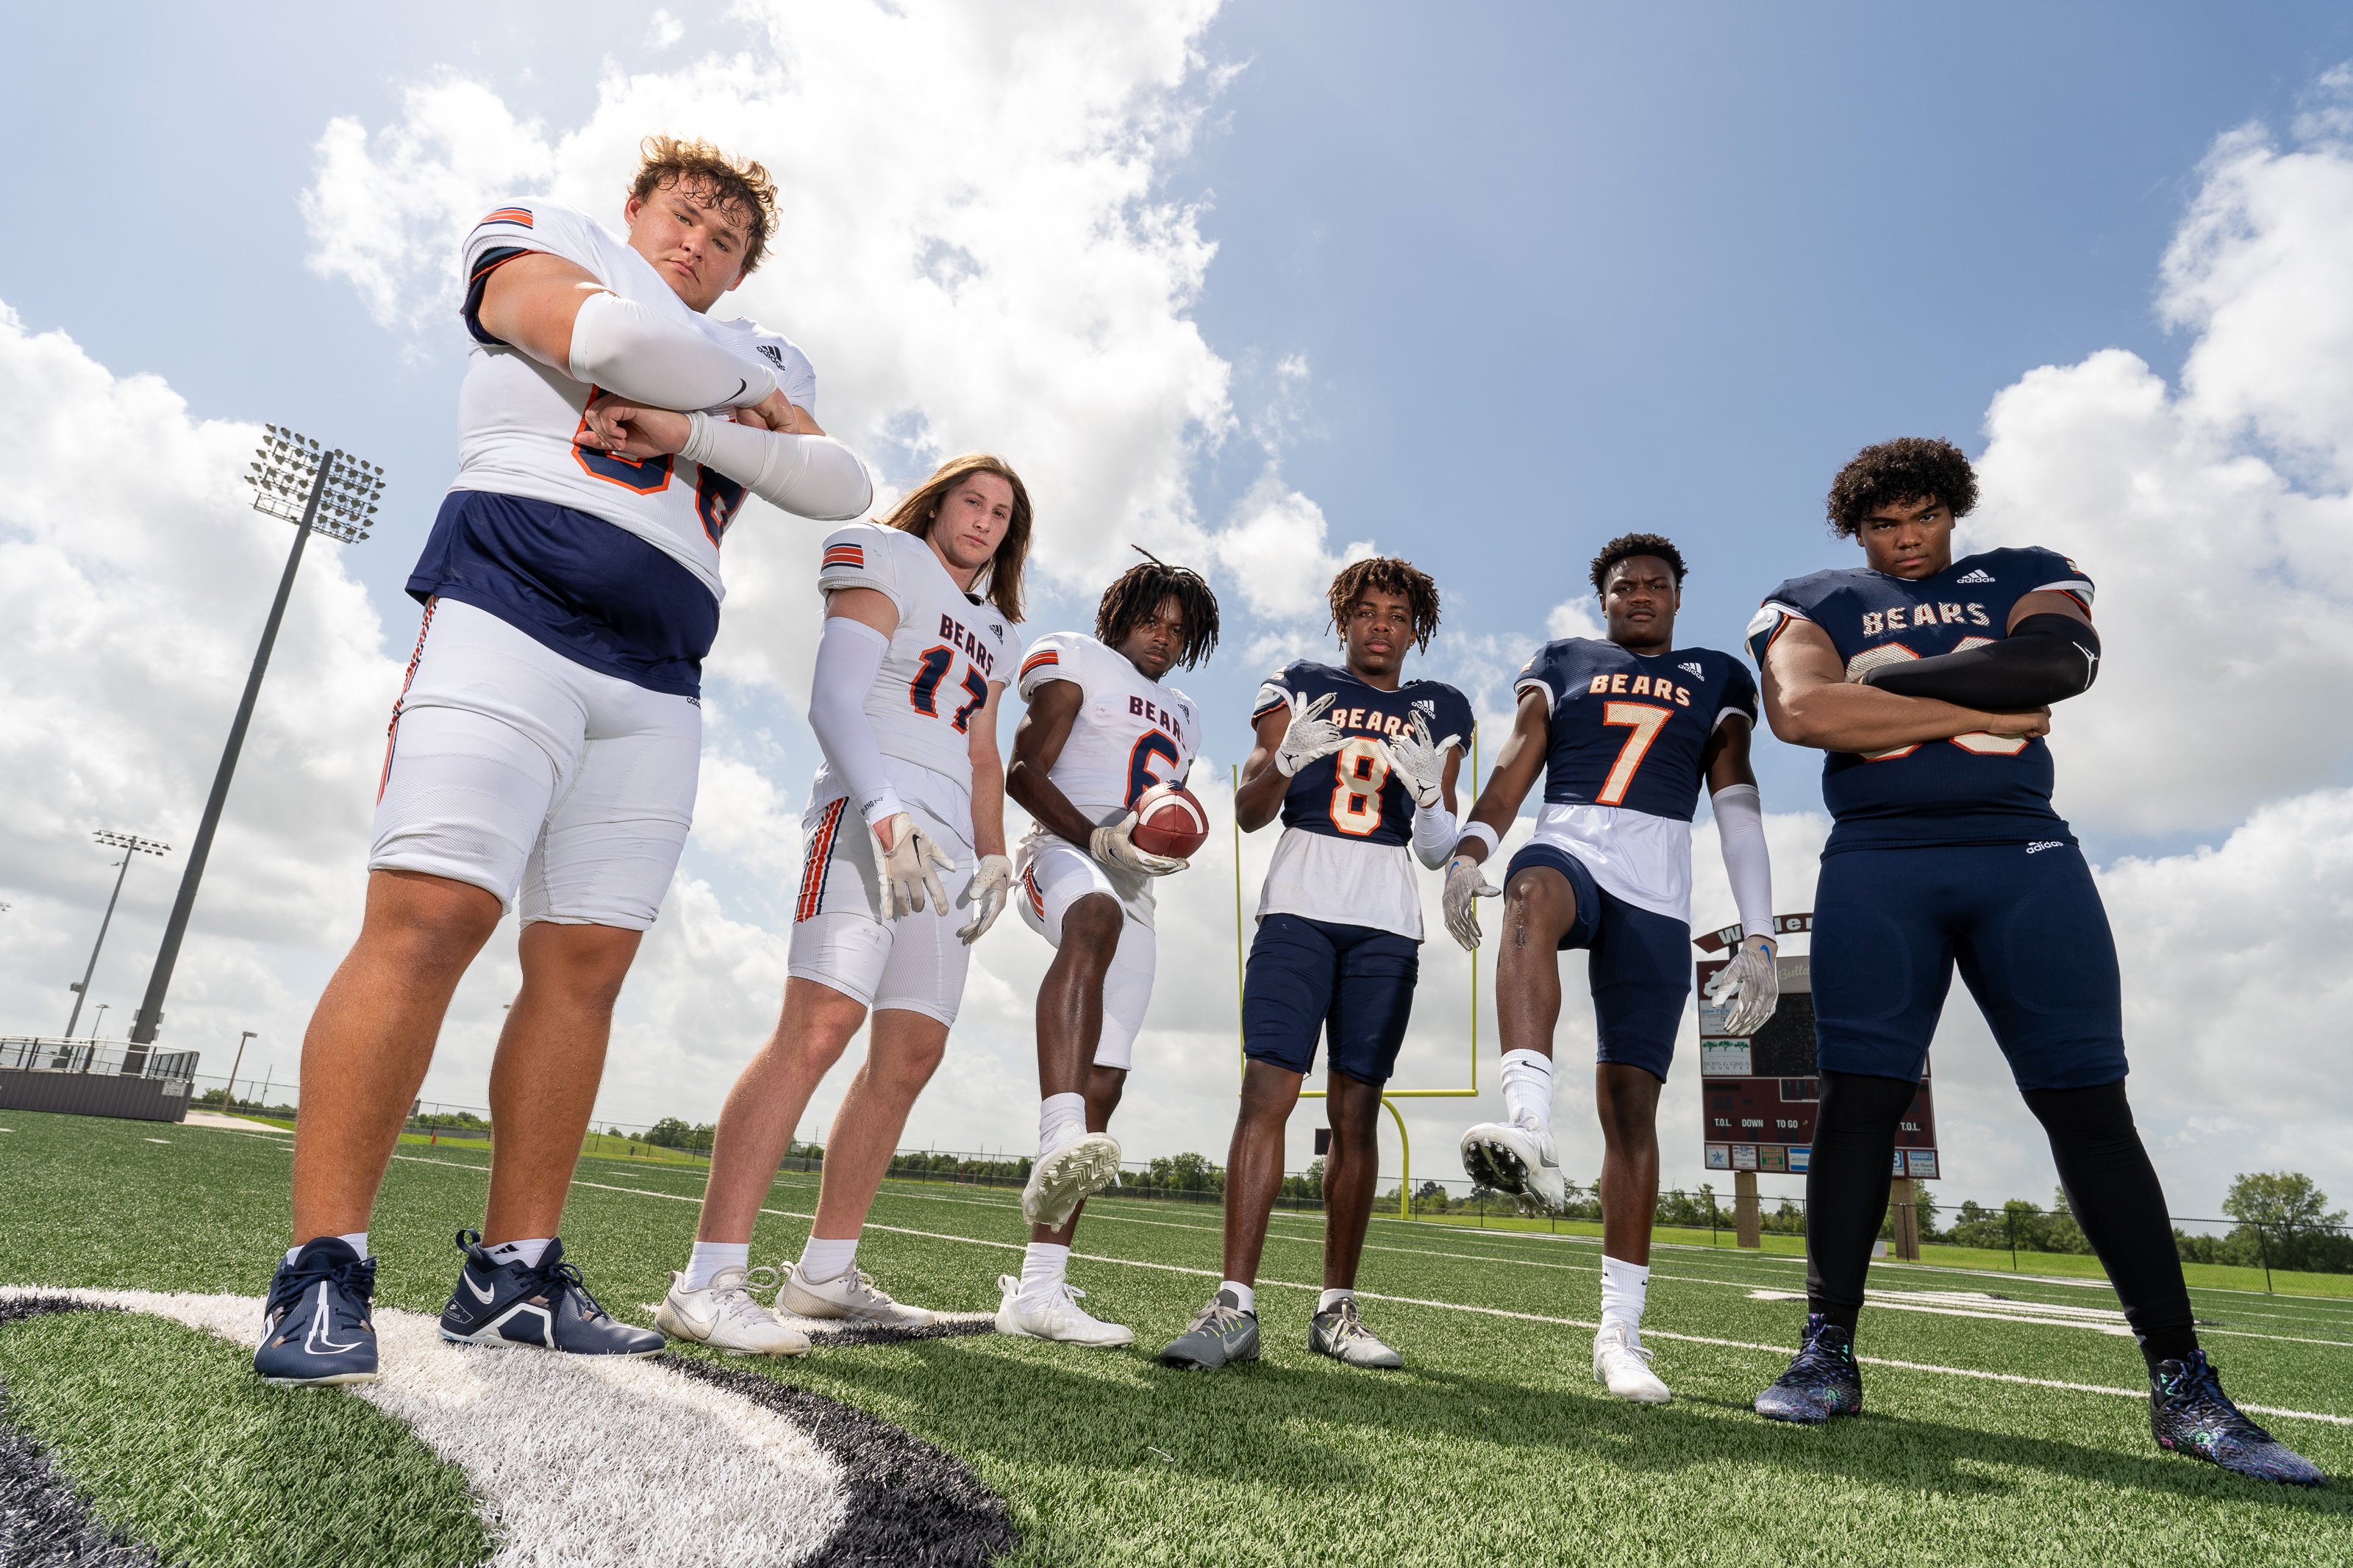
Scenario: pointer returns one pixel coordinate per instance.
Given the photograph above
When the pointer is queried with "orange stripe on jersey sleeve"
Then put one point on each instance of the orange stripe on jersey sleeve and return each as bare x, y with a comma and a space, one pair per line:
845, 555
518, 215
1040, 659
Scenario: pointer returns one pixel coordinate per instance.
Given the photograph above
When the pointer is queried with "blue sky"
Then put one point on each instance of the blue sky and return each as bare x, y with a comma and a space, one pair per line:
1488, 287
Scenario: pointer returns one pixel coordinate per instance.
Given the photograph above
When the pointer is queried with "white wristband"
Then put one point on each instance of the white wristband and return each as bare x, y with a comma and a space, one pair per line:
1484, 834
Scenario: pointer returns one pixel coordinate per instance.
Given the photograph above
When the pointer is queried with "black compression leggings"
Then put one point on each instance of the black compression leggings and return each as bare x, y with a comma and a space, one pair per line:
2111, 1186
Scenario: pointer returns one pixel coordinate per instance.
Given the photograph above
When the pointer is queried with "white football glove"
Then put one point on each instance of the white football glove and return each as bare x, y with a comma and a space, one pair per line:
907, 870
1113, 846
1466, 884
1419, 762
988, 892
1755, 980
1309, 736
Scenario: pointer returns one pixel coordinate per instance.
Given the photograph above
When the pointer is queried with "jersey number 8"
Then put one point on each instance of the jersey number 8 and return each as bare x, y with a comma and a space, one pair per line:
1359, 770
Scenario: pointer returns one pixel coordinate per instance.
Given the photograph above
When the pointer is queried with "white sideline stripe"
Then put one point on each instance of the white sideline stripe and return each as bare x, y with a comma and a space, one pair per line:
579, 1461
1971, 1304
1894, 1301
1503, 1312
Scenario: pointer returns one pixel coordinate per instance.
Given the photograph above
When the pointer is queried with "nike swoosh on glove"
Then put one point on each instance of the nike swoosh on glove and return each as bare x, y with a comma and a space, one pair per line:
1419, 762
1466, 884
991, 886
1755, 979
907, 870
1113, 846
1310, 736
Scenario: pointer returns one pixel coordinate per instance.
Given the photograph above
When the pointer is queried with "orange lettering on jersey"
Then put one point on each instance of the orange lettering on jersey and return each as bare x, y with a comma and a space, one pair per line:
1641, 686
1597, 686
1873, 623
1618, 681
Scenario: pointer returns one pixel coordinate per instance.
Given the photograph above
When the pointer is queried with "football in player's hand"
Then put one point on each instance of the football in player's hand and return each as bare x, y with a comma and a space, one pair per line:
1169, 821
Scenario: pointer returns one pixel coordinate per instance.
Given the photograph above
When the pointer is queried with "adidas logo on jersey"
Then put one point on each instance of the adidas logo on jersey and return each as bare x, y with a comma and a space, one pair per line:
1427, 705
1979, 575
1693, 665
775, 355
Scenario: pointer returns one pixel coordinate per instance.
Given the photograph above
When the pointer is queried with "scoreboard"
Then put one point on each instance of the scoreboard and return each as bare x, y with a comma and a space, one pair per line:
1758, 1093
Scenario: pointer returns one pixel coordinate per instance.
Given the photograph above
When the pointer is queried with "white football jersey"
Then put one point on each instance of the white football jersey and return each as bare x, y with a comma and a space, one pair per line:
945, 654
1133, 731
517, 418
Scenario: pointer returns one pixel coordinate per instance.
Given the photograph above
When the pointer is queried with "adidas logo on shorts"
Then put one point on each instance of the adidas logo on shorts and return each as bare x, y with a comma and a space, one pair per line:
1979, 575
2039, 845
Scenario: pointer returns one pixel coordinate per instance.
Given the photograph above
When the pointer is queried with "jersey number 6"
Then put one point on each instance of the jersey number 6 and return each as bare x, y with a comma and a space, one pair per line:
923, 693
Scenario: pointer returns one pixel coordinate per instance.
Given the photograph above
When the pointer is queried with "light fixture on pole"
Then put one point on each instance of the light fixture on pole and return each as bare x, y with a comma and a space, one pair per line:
99, 1023
228, 1095
330, 493
131, 844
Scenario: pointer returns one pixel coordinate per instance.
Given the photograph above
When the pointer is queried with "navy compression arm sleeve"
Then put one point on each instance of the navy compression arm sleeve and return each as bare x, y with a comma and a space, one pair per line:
2044, 659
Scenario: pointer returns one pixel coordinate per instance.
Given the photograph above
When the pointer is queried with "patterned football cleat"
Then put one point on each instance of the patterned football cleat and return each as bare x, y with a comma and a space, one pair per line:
1339, 1333
2189, 1413
1517, 1159
546, 1307
1823, 1380
314, 1326
1059, 1182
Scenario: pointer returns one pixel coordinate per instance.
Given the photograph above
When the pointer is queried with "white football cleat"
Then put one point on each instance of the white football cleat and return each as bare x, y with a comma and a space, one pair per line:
1514, 1159
1624, 1368
851, 1298
1058, 1316
1062, 1181
724, 1317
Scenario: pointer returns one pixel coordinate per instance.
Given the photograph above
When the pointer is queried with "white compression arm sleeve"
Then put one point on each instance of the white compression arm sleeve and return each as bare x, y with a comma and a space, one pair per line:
849, 656
621, 346
809, 476
1740, 830
1434, 835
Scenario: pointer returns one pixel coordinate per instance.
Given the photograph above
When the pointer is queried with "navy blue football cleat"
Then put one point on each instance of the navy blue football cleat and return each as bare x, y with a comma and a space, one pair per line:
2189, 1413
547, 1307
1822, 1381
314, 1326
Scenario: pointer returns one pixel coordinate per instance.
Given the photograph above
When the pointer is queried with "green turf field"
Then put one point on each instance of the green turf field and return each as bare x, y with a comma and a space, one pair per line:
1494, 1446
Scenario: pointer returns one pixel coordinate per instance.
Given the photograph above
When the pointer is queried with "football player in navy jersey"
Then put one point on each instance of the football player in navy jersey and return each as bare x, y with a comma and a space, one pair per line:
1361, 765
1624, 731
1929, 680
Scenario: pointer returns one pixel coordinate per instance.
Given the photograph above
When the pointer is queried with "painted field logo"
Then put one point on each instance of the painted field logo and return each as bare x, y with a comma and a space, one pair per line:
574, 1461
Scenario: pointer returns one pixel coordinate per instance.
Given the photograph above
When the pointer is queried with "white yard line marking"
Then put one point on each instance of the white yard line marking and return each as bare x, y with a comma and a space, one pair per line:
1500, 1311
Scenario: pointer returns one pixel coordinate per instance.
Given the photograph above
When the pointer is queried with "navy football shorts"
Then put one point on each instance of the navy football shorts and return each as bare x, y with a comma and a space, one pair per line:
2024, 924
1641, 965
1352, 985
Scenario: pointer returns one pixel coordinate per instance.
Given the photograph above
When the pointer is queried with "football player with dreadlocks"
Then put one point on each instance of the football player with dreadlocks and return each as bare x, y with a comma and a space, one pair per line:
1101, 731
1361, 764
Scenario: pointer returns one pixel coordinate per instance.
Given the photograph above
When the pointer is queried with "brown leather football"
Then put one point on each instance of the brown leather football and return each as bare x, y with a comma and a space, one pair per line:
1169, 821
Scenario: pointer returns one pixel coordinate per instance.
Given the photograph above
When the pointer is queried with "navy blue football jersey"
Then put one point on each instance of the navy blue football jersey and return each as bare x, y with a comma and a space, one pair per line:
1630, 730
1971, 789
1317, 801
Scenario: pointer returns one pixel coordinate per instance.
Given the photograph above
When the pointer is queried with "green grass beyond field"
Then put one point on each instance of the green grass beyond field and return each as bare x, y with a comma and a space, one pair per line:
1492, 1446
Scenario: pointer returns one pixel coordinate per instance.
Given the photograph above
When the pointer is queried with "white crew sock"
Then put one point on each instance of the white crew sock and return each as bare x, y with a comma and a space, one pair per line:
1527, 1090
1244, 1295
1334, 1296
1061, 1121
1623, 1287
710, 1257
823, 1260
526, 1251
1044, 1265
357, 1240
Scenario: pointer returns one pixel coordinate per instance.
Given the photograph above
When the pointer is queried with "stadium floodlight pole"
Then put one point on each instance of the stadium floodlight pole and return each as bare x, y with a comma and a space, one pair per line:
131, 846
330, 493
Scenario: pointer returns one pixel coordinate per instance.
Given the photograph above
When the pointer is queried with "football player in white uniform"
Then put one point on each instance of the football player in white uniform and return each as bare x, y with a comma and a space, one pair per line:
906, 823
544, 747
1102, 731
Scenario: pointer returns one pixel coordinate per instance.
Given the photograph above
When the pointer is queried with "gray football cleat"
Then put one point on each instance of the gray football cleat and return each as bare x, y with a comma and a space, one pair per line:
1062, 1181
1519, 1160
1221, 1333
1340, 1336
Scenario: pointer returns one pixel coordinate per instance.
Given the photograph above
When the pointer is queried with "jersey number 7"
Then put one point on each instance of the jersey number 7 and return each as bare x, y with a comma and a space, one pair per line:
1645, 721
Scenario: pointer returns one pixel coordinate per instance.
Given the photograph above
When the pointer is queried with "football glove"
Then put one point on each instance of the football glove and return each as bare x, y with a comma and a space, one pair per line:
1309, 736
991, 886
1113, 846
1466, 884
1419, 762
907, 870
1754, 980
